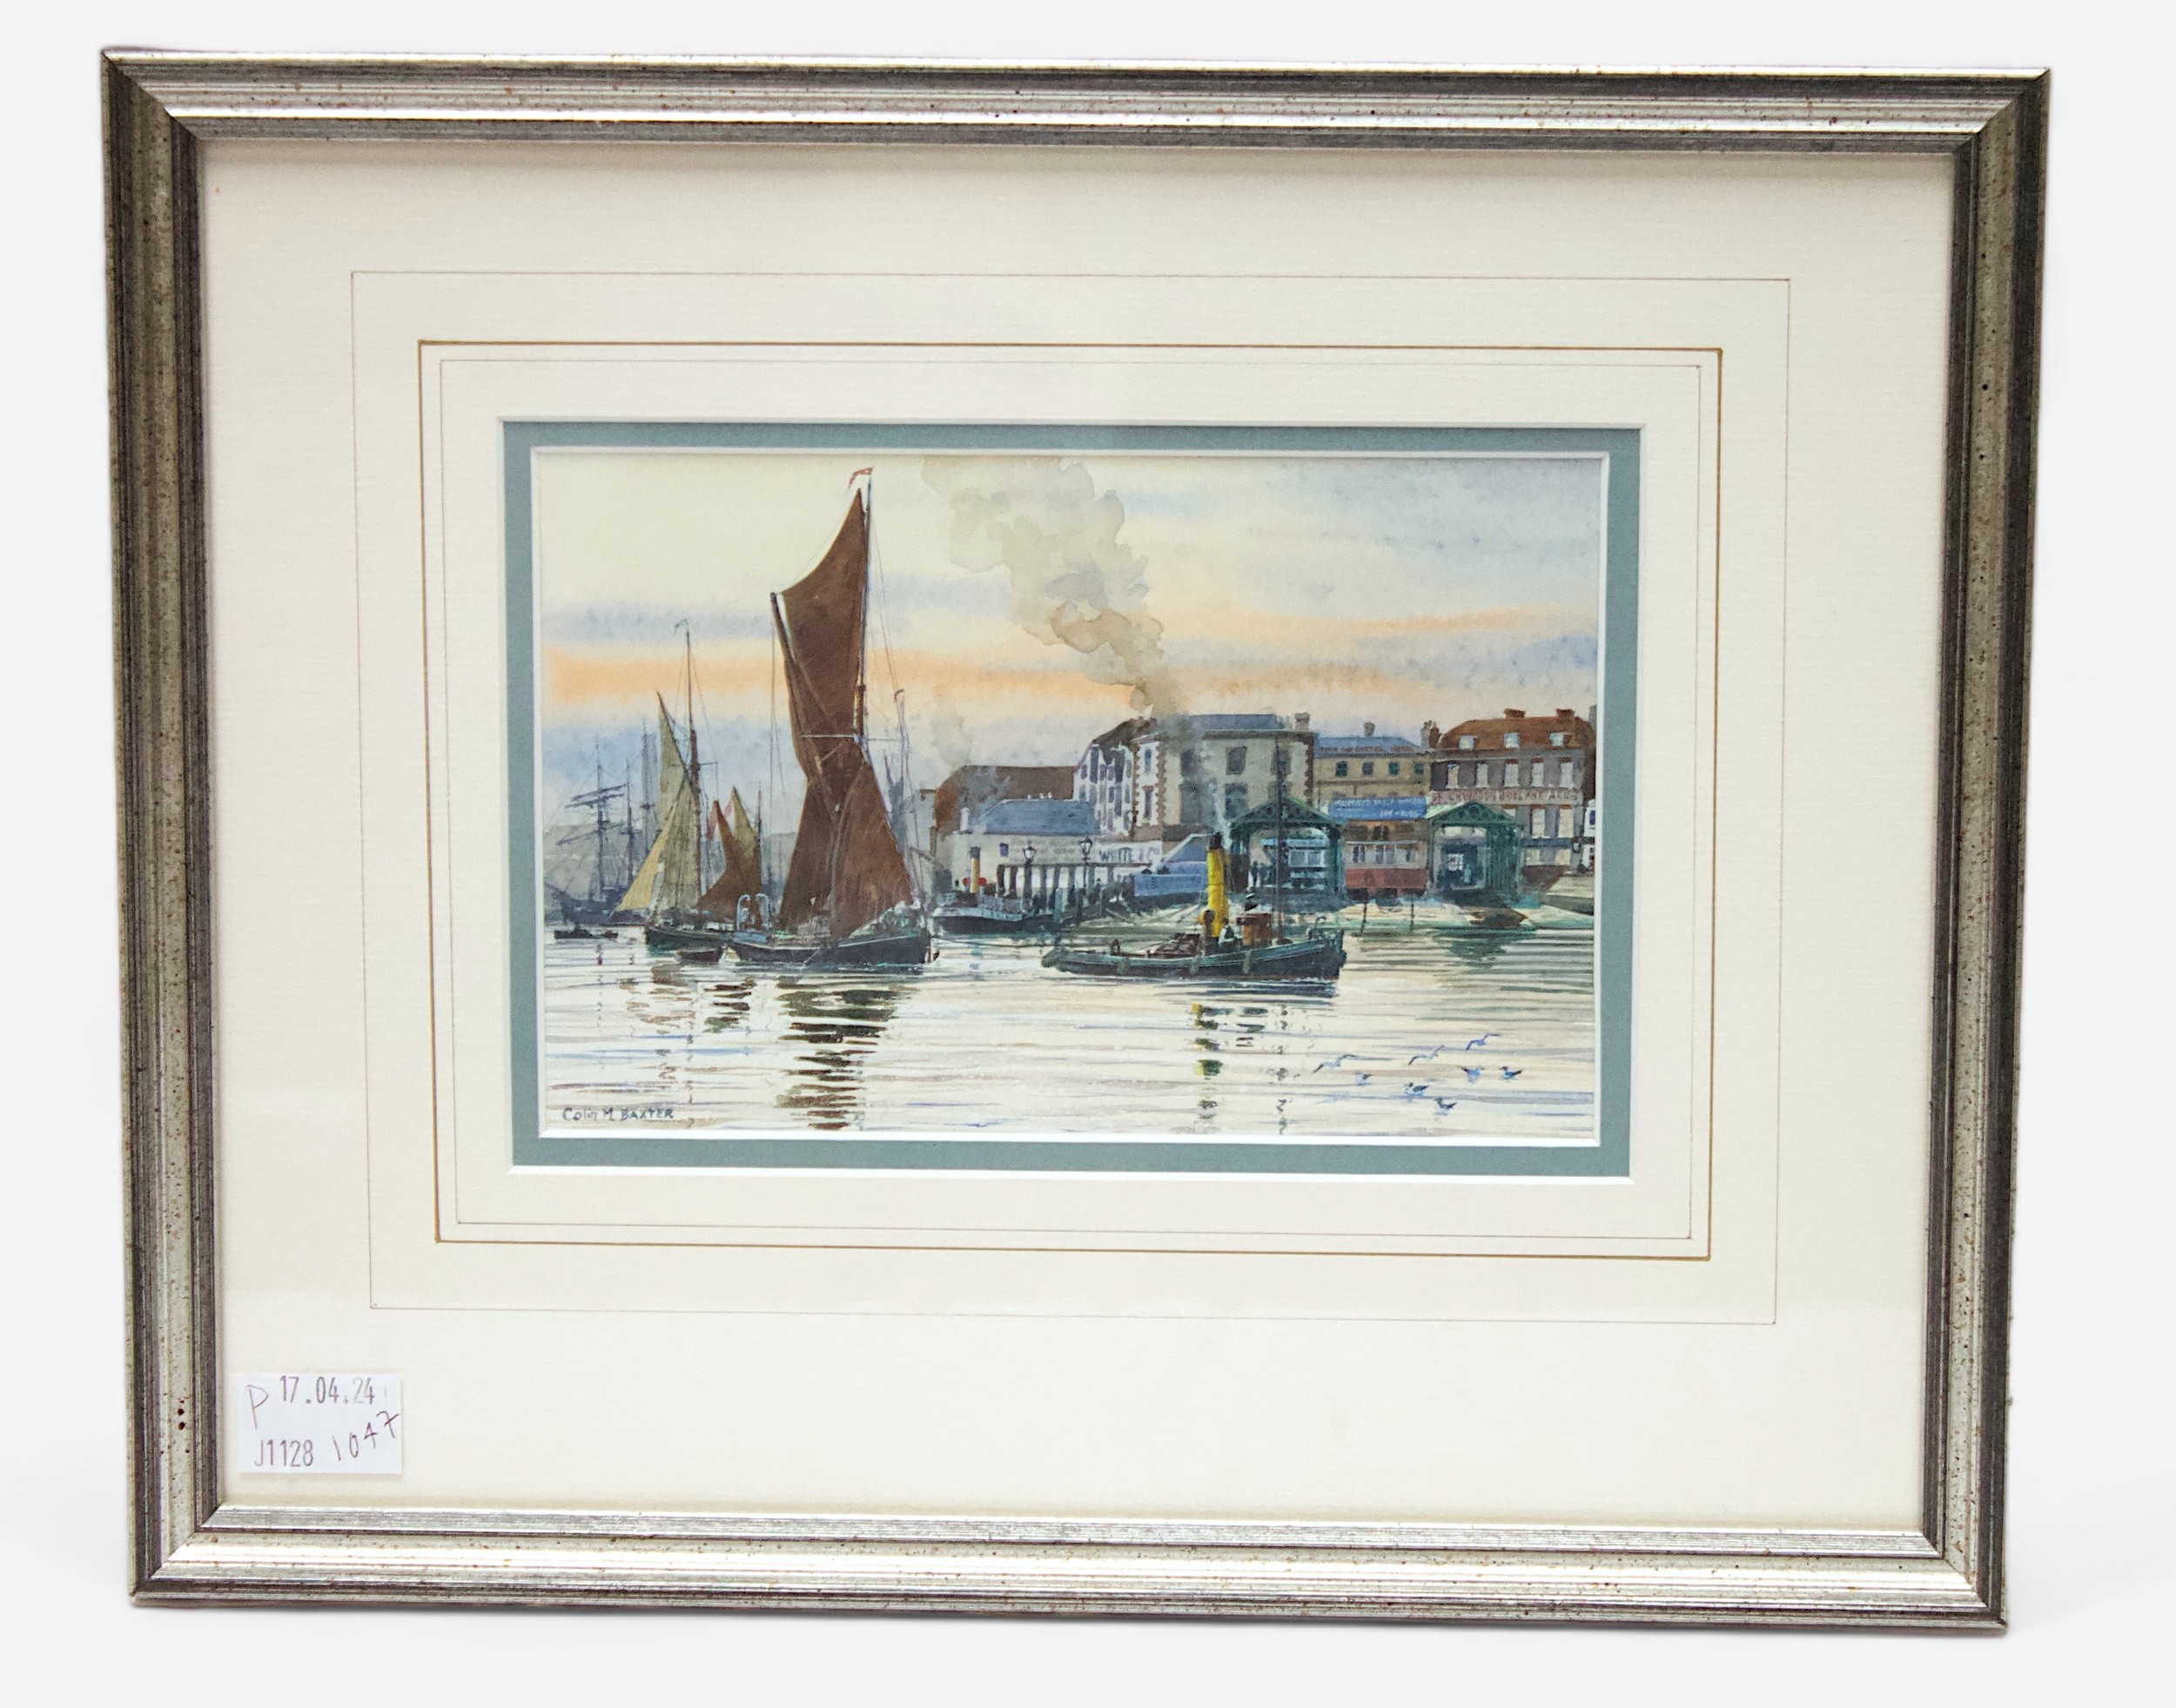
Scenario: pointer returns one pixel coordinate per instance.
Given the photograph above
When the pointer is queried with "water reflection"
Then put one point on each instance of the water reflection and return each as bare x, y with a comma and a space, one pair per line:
835, 1025
1433, 1031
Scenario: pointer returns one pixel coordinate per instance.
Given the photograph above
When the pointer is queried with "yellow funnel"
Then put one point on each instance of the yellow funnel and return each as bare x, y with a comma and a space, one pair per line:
1219, 910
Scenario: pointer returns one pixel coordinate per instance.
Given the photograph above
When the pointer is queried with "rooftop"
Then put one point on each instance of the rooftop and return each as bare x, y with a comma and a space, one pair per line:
1181, 725
1038, 818
1365, 744
1490, 732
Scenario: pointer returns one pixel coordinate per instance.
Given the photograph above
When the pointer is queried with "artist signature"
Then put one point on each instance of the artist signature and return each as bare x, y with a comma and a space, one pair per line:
621, 1111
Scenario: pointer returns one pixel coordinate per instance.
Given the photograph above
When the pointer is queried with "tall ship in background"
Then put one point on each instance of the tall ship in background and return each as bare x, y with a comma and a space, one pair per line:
589, 862
848, 898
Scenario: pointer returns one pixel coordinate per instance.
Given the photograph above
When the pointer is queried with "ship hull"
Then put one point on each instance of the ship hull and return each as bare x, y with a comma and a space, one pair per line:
1319, 955
898, 949
977, 922
684, 939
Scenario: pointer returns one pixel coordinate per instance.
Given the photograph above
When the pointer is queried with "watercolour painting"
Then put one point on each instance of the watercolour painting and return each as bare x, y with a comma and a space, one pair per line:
1168, 800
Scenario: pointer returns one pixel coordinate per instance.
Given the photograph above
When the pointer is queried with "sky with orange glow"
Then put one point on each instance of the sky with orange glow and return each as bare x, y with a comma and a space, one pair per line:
1020, 606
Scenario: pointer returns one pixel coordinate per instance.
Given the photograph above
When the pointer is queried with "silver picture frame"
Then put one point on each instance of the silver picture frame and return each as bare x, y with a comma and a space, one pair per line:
188, 1546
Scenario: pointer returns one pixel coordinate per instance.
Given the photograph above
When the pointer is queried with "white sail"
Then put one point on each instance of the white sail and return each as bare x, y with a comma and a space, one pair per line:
670, 878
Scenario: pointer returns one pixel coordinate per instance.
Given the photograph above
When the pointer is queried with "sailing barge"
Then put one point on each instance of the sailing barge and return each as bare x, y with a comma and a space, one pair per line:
848, 900
1256, 946
679, 914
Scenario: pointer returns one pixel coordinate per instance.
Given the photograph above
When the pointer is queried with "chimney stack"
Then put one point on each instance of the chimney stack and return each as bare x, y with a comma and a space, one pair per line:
1367, 728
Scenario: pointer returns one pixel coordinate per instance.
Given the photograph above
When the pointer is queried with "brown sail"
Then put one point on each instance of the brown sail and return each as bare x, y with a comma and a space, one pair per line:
846, 869
742, 875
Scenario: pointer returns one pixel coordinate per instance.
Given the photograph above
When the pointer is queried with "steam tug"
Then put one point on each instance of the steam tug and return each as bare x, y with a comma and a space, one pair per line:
1255, 945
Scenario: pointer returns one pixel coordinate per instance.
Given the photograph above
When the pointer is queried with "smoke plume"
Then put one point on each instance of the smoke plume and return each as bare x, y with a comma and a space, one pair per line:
1074, 582
955, 741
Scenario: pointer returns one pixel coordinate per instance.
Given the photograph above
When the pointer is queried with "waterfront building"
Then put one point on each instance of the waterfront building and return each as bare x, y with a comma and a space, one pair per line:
1540, 771
1169, 777
1105, 776
1385, 844
1368, 765
1289, 845
1034, 848
963, 796
1476, 858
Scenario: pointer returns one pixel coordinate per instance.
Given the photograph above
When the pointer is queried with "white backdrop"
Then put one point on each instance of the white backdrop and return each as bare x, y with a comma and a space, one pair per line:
2090, 1482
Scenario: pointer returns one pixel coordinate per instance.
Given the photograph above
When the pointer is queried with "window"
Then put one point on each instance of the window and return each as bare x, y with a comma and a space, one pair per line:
1367, 768
1511, 738
1568, 773
1556, 738
1189, 762
1541, 821
1234, 799
1393, 768
1234, 760
1342, 768
1536, 774
1464, 744
1004, 850
1442, 776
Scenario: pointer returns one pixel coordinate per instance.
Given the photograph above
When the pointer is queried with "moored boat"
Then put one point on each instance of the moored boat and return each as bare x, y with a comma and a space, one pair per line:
847, 899
993, 918
685, 936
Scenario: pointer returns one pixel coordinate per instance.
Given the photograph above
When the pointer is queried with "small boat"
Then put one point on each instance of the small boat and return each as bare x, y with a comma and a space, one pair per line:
992, 918
1256, 946
577, 934
685, 936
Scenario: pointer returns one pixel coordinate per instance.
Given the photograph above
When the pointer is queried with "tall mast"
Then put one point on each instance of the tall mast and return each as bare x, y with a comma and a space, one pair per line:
695, 759
861, 641
597, 880
1281, 762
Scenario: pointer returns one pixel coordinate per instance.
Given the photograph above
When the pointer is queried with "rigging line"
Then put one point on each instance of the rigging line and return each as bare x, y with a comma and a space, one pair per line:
883, 587
775, 780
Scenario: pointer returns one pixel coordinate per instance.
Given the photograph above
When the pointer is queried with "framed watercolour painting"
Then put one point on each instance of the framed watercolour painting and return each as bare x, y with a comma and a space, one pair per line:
1072, 838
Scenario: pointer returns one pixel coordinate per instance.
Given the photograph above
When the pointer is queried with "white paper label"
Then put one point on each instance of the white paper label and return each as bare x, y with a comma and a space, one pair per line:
311, 1423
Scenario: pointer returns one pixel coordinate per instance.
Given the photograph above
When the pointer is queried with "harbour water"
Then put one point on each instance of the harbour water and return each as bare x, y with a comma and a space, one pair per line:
1435, 1031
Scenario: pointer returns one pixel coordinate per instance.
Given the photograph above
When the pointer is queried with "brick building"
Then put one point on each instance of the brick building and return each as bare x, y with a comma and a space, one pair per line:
1539, 769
